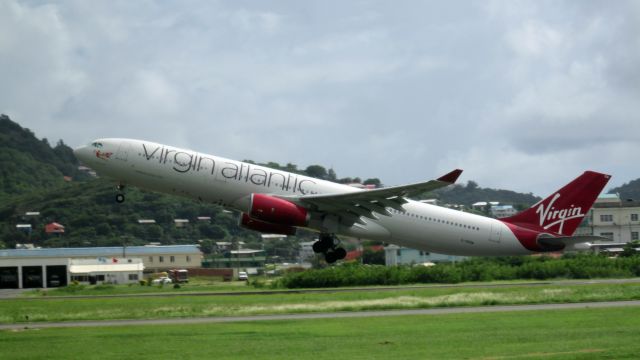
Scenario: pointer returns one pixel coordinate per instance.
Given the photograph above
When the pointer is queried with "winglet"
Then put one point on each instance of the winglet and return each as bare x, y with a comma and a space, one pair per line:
451, 177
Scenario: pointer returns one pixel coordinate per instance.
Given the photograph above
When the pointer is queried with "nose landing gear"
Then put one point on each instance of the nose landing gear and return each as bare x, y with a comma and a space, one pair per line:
120, 195
327, 245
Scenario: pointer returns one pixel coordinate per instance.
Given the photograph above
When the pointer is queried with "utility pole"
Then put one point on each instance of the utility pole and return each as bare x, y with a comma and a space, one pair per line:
124, 246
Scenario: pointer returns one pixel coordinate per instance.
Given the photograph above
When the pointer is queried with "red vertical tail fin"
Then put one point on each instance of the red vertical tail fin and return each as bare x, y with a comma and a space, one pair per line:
562, 212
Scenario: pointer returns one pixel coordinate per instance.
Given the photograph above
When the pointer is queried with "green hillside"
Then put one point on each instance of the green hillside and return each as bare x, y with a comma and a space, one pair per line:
472, 193
92, 218
27, 163
630, 190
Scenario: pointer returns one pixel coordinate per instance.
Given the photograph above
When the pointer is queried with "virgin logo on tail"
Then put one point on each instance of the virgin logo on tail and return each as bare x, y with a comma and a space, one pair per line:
550, 216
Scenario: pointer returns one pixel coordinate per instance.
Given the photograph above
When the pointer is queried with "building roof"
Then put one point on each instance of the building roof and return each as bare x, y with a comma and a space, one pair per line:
501, 207
246, 251
100, 251
608, 196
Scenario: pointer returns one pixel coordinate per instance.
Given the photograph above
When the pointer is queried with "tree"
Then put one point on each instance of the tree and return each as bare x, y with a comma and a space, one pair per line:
331, 175
630, 248
369, 256
373, 181
207, 246
103, 229
316, 171
154, 232
212, 231
291, 168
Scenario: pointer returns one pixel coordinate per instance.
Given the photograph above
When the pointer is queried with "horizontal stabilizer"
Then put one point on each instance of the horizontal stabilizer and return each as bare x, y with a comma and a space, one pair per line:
565, 242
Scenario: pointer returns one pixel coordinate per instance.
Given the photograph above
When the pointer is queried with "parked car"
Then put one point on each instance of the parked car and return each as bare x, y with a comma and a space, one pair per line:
161, 280
242, 275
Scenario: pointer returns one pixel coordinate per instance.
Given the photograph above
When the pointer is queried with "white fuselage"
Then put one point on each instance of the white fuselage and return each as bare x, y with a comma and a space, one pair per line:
230, 183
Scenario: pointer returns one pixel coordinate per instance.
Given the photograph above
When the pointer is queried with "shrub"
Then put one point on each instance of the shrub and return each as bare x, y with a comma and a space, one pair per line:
575, 266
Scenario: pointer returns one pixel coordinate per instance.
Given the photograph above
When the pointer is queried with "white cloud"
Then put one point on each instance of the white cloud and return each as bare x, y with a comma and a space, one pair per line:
522, 94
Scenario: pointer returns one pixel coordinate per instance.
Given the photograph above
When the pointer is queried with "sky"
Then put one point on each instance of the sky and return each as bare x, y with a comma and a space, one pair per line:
522, 95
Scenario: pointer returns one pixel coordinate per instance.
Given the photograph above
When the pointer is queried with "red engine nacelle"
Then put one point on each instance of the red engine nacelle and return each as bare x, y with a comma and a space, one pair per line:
265, 227
277, 211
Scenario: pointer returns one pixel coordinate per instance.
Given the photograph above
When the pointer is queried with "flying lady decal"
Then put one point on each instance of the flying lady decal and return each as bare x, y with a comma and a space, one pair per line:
103, 155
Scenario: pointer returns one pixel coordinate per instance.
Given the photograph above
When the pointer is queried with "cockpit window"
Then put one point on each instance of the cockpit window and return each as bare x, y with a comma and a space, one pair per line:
97, 145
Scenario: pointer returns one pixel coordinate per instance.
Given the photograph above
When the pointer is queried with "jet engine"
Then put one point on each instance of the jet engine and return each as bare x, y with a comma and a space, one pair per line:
277, 211
265, 227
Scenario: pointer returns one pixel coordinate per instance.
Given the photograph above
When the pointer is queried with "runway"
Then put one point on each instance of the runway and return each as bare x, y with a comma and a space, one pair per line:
332, 315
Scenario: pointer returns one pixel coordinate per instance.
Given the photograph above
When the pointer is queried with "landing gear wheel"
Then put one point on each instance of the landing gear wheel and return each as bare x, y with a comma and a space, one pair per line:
340, 253
330, 257
119, 198
319, 247
327, 244
323, 245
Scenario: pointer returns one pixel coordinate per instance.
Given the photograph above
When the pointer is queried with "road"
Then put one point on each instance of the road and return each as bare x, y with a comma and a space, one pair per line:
333, 315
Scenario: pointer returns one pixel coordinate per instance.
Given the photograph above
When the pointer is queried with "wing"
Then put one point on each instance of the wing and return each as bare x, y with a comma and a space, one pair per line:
350, 207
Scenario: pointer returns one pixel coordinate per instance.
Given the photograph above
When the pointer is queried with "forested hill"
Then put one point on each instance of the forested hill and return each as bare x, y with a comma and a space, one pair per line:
630, 190
472, 193
27, 163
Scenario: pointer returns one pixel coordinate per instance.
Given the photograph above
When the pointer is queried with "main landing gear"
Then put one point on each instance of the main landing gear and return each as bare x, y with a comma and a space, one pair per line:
327, 244
120, 195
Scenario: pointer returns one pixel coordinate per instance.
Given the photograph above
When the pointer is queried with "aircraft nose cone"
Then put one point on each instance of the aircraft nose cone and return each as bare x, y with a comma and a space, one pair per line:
81, 152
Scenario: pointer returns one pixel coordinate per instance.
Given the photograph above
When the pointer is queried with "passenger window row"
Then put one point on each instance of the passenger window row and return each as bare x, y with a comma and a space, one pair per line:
427, 218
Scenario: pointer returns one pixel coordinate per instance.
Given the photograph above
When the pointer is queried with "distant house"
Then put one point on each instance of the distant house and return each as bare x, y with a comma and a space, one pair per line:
54, 228
181, 222
24, 227
501, 211
228, 245
243, 258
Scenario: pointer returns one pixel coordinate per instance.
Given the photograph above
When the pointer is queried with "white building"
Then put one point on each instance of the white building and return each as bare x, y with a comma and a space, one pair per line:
306, 251
502, 211
396, 255
106, 270
51, 267
612, 218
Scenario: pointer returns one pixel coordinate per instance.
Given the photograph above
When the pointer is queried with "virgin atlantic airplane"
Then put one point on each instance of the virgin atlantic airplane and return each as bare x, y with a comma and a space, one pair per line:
278, 202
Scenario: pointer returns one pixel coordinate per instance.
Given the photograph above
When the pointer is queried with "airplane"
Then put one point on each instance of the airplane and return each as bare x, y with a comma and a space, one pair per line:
278, 202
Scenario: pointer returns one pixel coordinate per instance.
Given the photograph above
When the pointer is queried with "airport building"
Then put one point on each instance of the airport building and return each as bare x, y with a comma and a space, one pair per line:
53, 267
612, 218
396, 255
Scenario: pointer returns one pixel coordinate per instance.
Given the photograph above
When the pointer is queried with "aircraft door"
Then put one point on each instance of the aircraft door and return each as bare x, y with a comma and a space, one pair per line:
496, 233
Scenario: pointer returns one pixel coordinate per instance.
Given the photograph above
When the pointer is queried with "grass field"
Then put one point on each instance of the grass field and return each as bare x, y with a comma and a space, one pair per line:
21, 310
560, 334
196, 284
